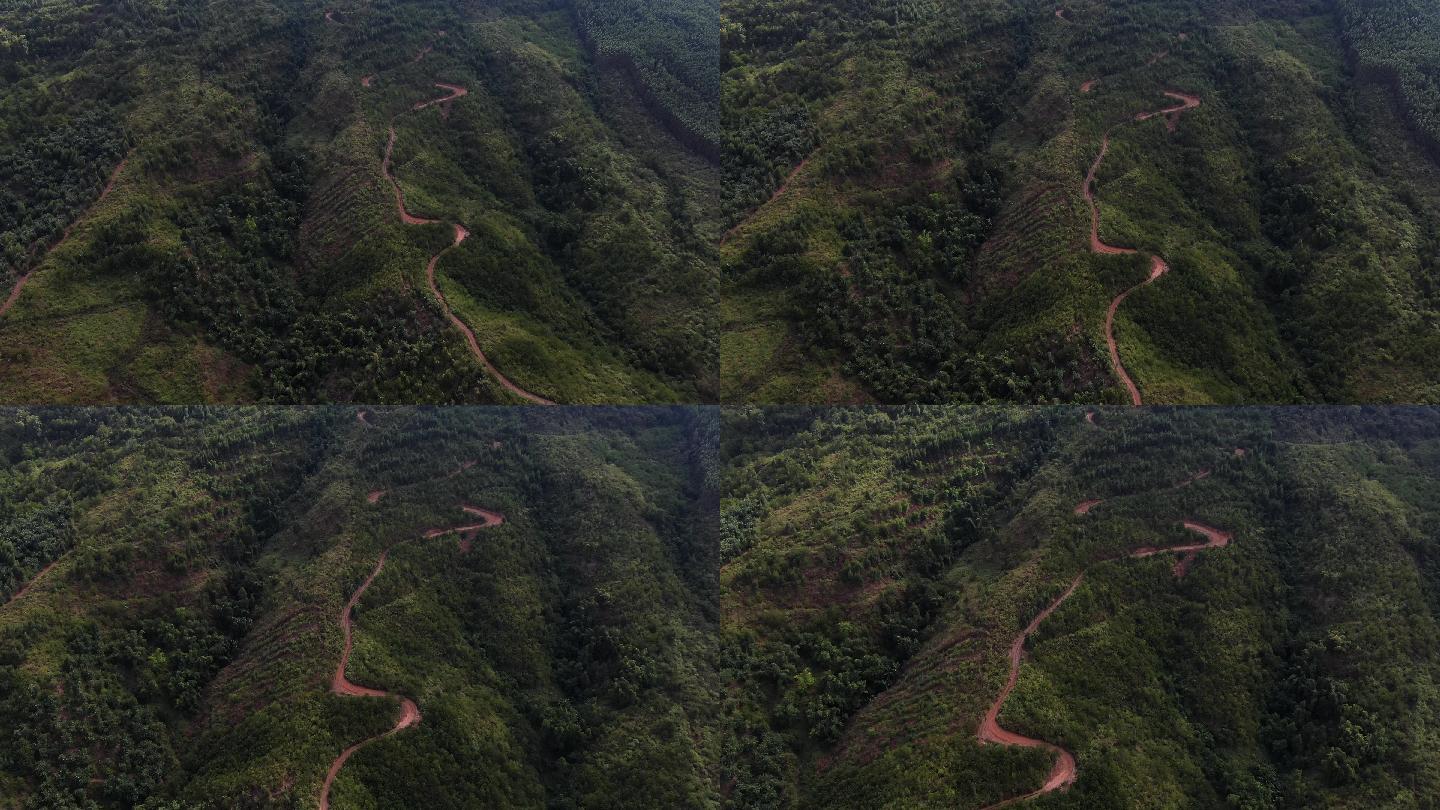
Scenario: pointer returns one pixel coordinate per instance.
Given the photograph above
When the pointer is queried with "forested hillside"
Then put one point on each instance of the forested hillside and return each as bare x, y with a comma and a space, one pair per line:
532, 608
380, 200
1200, 607
1214, 202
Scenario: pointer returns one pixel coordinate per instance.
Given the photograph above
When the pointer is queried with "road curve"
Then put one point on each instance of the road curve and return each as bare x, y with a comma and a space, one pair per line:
105, 192
1063, 772
1158, 266
461, 233
340, 684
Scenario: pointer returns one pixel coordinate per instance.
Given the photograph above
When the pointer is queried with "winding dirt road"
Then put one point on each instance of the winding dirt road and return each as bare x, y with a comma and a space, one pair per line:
105, 192
1158, 266
340, 684
455, 91
1063, 772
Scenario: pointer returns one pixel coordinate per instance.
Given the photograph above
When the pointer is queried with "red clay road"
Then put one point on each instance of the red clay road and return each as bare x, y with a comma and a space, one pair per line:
1084, 507
1158, 266
456, 91
1063, 773
20, 284
342, 685
460, 235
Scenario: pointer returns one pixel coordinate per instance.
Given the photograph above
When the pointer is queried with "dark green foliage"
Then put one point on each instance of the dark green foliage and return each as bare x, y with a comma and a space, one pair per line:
252, 249
934, 247
180, 651
890, 556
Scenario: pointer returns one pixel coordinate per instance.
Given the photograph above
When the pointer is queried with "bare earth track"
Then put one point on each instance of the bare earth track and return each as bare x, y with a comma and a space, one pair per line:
778, 193
1158, 266
455, 91
1064, 771
340, 684
105, 192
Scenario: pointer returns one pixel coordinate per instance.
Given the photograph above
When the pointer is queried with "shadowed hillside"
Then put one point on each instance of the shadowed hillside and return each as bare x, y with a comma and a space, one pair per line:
532, 608
381, 200
952, 608
910, 219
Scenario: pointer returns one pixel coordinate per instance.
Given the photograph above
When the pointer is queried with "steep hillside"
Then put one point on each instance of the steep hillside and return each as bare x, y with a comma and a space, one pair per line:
1155, 201
954, 608
394, 608
386, 200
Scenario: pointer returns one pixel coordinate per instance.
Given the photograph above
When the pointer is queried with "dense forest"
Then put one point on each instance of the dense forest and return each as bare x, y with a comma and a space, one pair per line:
878, 564
227, 202
905, 198
170, 582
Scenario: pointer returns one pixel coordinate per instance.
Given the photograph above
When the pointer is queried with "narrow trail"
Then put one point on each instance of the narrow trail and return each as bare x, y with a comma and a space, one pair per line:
461, 233
105, 192
24, 589
340, 684
1158, 266
777, 194
1063, 773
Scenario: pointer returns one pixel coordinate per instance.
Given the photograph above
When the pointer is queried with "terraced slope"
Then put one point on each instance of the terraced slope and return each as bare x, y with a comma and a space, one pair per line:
916, 612
172, 584
248, 251
933, 248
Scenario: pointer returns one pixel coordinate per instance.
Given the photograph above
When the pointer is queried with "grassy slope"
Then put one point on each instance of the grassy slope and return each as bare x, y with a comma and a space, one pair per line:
589, 280
1295, 668
538, 657
1302, 267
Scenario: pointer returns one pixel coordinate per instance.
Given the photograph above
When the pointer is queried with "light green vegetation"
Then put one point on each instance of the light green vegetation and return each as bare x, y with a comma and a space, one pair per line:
878, 564
253, 241
935, 245
180, 650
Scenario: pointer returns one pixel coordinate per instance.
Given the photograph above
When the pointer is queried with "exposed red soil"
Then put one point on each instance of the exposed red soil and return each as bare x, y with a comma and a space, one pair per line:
423, 51
1084, 507
779, 192
456, 91
365, 81
1060, 14
1158, 266
461, 233
1063, 773
375, 496
363, 417
405, 215
1090, 417
342, 685
330, 16
1088, 86
1239, 452
1214, 538
20, 283
24, 589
